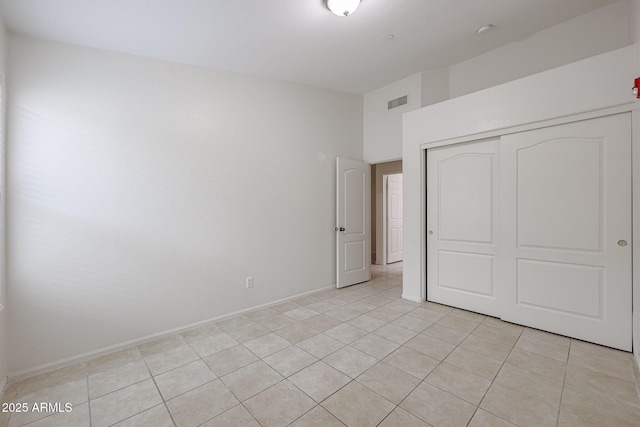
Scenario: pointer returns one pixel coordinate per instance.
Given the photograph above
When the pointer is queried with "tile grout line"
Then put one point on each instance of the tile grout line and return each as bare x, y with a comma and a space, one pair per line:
262, 359
443, 361
319, 404
396, 406
86, 367
164, 402
351, 380
316, 403
487, 390
381, 360
494, 379
248, 412
201, 358
564, 382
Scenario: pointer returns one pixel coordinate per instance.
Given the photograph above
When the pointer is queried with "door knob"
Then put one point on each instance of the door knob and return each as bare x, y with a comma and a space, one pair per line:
339, 228
622, 243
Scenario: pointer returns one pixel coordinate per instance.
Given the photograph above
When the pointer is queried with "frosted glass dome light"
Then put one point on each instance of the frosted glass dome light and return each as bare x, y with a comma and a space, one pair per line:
342, 7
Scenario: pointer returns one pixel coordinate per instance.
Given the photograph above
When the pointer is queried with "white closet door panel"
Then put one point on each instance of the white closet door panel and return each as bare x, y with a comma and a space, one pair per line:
465, 203
355, 188
559, 194
566, 205
461, 222
467, 272
544, 284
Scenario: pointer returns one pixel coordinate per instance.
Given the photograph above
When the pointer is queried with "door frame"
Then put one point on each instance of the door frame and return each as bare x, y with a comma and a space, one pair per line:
390, 167
385, 203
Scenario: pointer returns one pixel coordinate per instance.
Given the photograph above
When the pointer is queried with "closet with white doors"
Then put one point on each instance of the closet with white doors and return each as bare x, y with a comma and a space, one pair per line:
534, 227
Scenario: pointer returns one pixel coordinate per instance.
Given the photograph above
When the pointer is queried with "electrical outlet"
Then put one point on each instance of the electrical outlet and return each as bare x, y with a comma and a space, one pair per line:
249, 282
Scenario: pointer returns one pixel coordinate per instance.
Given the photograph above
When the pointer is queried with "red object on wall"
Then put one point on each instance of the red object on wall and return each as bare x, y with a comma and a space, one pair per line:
636, 87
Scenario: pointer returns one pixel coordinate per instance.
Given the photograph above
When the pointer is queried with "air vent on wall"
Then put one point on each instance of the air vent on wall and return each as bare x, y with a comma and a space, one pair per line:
398, 102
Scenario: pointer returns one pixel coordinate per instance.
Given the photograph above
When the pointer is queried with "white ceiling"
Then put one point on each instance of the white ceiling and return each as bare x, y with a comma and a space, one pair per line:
295, 40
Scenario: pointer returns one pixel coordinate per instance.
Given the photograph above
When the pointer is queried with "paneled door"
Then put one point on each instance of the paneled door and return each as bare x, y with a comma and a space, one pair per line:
353, 222
462, 213
395, 218
565, 222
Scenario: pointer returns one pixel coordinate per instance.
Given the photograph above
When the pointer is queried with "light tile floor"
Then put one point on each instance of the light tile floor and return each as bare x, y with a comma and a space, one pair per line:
359, 356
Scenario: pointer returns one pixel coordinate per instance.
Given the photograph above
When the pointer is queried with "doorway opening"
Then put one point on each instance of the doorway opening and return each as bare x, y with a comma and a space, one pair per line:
381, 242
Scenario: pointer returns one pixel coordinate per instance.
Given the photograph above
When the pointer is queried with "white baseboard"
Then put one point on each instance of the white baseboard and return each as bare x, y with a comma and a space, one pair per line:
3, 386
636, 371
410, 298
67, 361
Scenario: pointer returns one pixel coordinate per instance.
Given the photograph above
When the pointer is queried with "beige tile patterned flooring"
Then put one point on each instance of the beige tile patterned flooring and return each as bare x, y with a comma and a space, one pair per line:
359, 356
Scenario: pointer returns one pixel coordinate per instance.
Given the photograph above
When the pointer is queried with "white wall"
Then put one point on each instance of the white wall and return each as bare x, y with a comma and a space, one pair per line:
435, 86
383, 127
4, 339
142, 193
597, 32
634, 17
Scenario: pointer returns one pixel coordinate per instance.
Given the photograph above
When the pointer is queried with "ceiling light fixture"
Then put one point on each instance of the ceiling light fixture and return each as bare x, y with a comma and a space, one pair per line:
485, 29
342, 7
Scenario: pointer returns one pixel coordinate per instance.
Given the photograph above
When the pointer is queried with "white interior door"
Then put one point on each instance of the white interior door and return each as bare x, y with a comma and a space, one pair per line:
353, 222
462, 201
566, 229
394, 223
